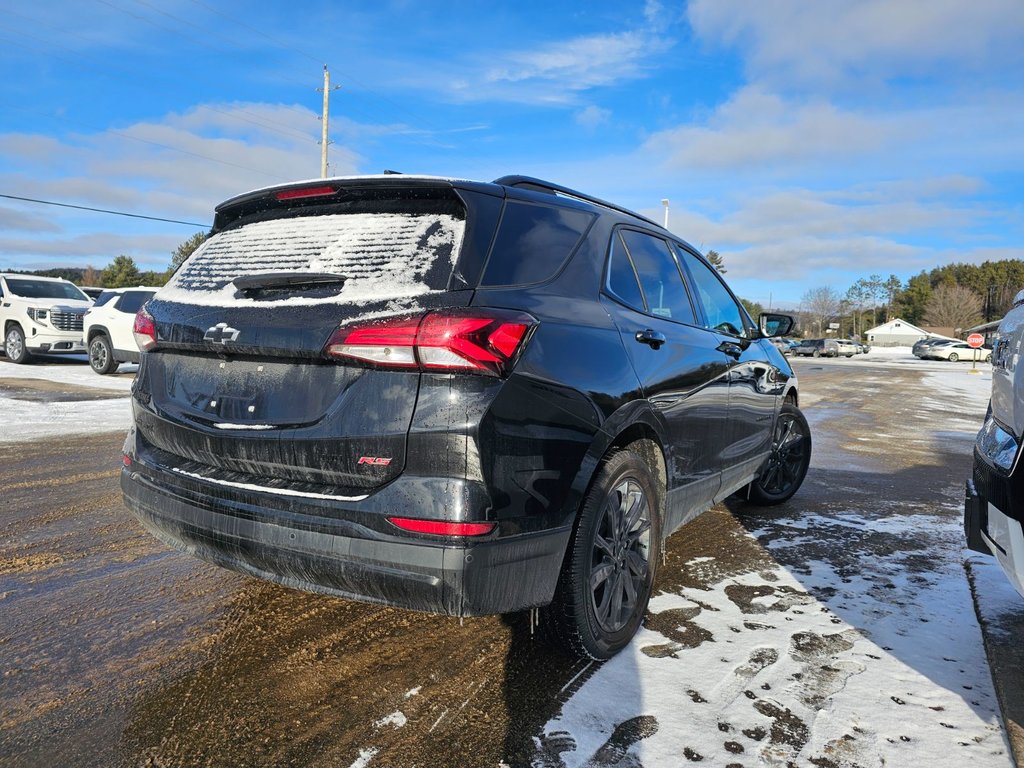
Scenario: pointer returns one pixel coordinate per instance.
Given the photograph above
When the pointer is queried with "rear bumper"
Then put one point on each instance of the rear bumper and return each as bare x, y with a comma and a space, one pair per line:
991, 523
323, 547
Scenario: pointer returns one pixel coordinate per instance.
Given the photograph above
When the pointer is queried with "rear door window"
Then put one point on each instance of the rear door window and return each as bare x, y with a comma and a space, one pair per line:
105, 298
132, 301
533, 242
659, 276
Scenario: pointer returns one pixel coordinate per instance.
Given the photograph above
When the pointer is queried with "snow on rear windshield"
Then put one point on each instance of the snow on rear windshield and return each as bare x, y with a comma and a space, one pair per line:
383, 255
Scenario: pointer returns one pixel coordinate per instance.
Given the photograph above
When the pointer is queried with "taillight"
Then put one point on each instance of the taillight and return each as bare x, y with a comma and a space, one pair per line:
441, 527
474, 341
144, 330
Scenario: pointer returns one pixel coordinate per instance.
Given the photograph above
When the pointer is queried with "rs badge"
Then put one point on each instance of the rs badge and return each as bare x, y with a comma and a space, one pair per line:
377, 461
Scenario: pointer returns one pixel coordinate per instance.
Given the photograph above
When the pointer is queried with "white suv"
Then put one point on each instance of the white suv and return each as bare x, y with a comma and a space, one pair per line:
994, 507
108, 327
40, 314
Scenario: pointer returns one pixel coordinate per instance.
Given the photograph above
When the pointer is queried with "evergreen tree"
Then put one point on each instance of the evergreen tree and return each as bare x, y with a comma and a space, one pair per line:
121, 273
185, 249
715, 259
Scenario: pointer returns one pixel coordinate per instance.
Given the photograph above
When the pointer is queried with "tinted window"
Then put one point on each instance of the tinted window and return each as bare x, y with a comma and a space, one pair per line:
132, 301
659, 276
621, 277
721, 310
44, 289
533, 242
105, 298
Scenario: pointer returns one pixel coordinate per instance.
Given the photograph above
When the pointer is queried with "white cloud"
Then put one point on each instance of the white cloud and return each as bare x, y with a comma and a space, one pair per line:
558, 72
792, 42
756, 128
591, 117
178, 167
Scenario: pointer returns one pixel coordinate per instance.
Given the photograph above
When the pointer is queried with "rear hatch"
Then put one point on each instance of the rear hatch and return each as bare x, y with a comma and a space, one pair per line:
239, 381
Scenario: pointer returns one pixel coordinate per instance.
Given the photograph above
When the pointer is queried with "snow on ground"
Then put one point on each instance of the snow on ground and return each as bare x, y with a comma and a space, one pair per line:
81, 403
858, 678
859, 647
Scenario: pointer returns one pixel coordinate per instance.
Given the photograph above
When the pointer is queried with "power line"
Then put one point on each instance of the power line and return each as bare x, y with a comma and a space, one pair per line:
102, 210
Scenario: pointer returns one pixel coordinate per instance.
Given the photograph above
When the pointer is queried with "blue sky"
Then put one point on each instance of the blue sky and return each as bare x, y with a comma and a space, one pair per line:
810, 143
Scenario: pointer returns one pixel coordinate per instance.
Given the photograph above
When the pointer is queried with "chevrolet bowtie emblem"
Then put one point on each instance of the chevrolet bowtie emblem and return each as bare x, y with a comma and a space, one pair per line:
221, 333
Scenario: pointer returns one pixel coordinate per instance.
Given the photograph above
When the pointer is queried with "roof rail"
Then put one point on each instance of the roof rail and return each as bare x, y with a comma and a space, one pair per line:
539, 185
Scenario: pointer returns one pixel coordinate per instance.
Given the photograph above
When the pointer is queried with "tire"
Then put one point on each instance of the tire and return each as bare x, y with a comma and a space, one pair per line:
786, 467
101, 355
953, 357
606, 579
14, 345
988, 358
815, 353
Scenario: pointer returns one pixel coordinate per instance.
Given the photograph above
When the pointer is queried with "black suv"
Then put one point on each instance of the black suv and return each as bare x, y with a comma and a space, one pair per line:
453, 396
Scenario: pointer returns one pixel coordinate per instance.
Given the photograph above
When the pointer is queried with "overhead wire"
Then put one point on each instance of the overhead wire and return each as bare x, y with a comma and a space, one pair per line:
102, 210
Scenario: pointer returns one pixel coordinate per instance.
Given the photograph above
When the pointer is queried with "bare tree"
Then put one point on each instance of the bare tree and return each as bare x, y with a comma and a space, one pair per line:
953, 306
90, 276
820, 305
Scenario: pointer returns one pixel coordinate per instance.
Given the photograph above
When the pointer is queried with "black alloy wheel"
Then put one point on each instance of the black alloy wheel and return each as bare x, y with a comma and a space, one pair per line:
101, 355
609, 571
786, 467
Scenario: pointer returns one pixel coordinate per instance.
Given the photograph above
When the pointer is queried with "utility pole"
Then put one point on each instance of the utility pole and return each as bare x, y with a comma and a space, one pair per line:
324, 141
664, 202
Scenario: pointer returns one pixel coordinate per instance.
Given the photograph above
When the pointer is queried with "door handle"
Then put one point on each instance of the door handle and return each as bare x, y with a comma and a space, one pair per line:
651, 338
731, 348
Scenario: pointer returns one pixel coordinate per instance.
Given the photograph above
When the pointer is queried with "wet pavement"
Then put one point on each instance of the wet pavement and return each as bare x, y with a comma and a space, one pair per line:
118, 652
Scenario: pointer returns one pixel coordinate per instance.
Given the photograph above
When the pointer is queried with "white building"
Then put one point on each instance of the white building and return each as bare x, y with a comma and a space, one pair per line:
895, 333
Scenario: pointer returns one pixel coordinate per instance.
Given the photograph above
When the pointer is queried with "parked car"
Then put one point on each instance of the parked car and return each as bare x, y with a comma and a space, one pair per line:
40, 315
955, 351
994, 507
846, 348
108, 327
90, 291
920, 347
452, 396
817, 348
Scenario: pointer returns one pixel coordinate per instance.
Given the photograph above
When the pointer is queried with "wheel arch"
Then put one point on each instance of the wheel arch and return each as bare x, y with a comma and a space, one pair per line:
94, 331
634, 424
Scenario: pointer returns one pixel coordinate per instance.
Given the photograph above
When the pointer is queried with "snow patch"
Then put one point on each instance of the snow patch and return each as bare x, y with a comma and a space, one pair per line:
396, 719
382, 255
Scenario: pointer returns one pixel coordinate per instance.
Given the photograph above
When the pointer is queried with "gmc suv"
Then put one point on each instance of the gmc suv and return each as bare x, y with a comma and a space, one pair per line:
453, 396
40, 314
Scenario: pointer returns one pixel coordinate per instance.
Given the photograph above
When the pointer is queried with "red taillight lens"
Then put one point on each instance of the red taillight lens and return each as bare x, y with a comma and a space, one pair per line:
144, 330
441, 528
475, 341
295, 194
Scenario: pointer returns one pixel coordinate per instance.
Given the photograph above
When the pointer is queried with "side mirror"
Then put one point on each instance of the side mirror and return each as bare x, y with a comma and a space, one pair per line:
774, 325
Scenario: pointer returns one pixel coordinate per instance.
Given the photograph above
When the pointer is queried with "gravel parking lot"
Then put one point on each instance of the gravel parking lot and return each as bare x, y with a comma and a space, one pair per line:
835, 630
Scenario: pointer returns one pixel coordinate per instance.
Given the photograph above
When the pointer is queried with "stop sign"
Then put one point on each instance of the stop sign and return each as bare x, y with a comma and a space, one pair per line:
975, 340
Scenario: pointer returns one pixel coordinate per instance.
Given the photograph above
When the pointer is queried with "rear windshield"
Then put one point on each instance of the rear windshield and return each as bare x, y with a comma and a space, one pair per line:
44, 289
381, 256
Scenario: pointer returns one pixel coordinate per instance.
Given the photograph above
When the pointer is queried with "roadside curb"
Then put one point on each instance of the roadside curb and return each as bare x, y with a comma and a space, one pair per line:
1006, 663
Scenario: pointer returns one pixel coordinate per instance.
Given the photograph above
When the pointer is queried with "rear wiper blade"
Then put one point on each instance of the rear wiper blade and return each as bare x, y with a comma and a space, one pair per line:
246, 283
